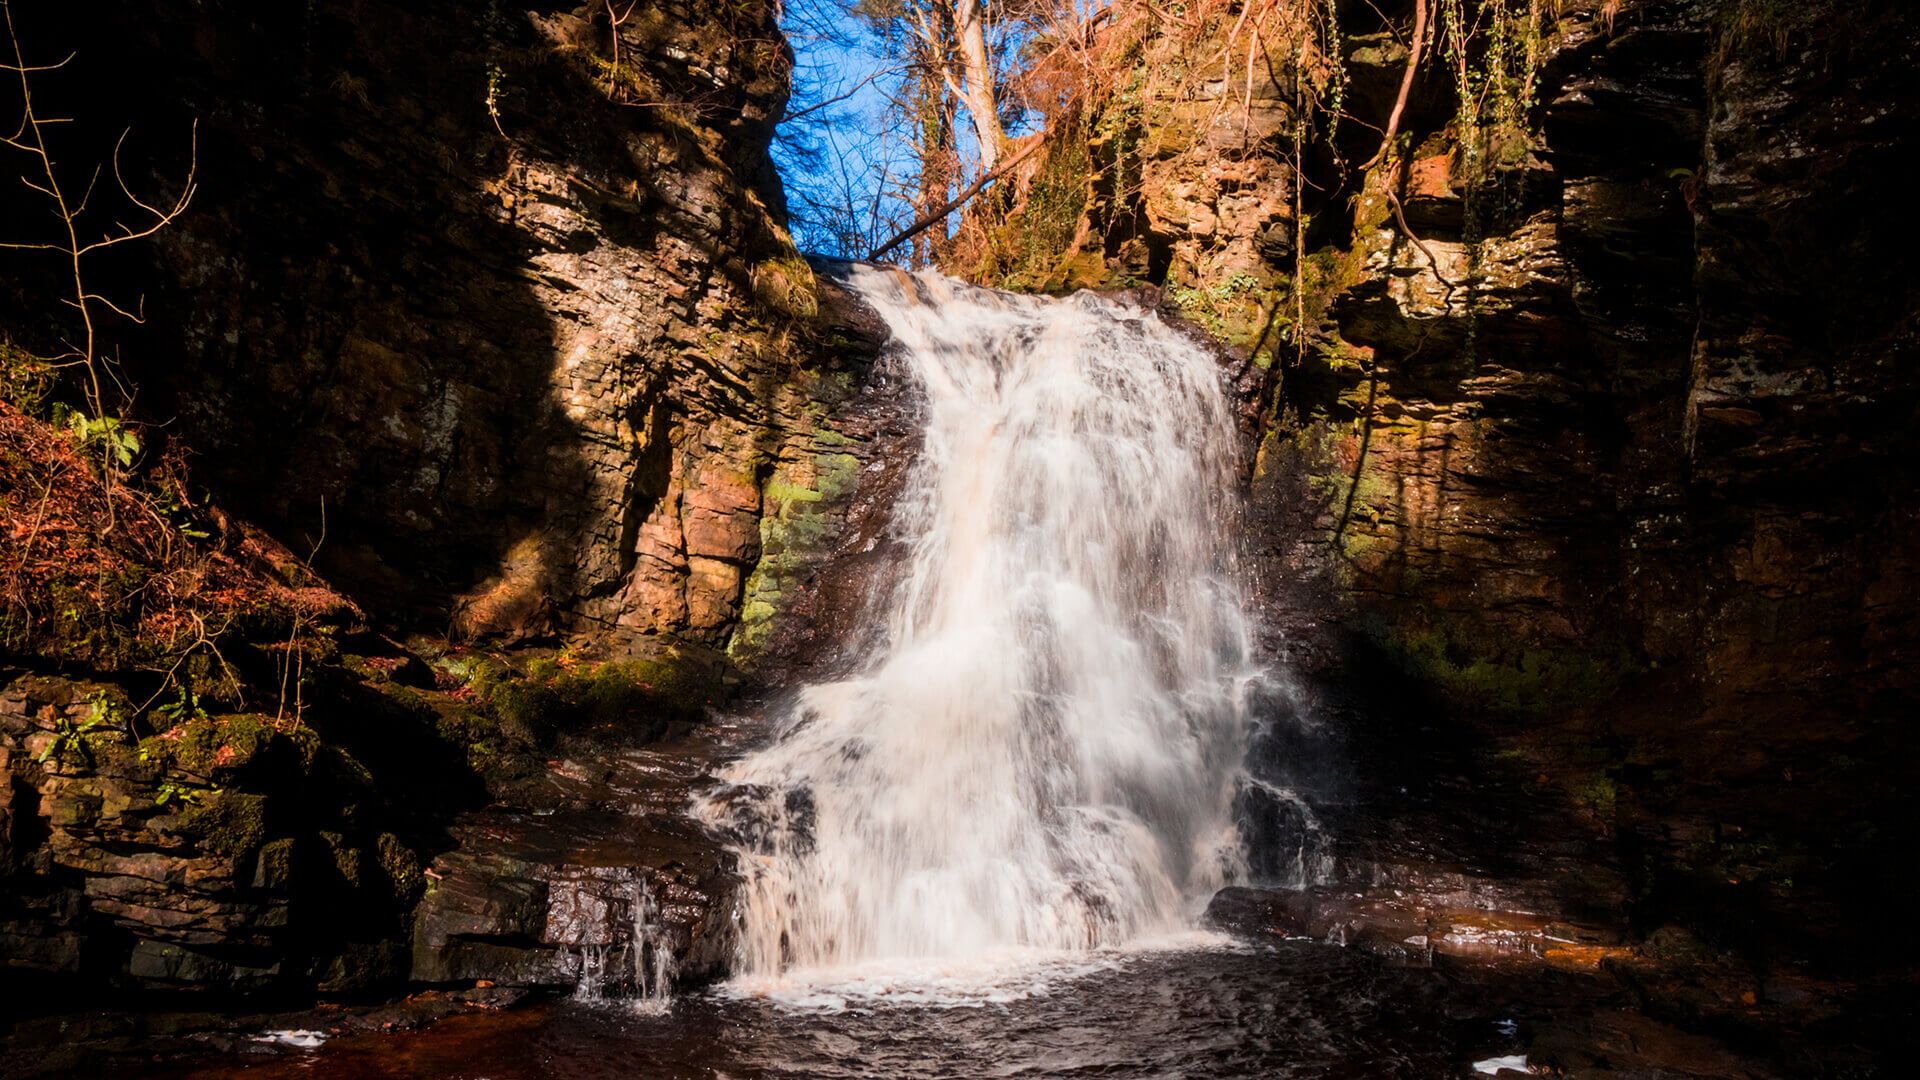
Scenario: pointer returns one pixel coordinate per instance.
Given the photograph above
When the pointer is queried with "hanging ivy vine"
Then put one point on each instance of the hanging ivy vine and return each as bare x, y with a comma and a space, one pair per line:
1493, 51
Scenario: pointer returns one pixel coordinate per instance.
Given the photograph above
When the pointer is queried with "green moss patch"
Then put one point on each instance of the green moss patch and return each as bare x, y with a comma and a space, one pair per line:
1505, 679
552, 696
229, 822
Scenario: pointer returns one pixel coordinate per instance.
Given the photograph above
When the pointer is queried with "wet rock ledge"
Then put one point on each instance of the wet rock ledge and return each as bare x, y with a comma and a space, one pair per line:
432, 817
608, 887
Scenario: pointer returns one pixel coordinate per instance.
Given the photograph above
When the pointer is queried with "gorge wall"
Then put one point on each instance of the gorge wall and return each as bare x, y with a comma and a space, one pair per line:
489, 307
488, 313
1608, 445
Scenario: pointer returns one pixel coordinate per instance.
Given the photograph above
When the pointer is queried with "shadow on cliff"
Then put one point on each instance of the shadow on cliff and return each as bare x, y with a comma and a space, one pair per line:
1641, 795
354, 327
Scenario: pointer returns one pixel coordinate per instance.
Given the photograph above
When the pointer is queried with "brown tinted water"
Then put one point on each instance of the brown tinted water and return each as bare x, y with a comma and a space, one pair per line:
1288, 1009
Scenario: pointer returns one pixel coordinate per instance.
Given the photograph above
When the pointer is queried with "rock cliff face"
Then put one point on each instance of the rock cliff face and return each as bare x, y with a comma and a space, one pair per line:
227, 854
1607, 448
1642, 486
489, 311
489, 306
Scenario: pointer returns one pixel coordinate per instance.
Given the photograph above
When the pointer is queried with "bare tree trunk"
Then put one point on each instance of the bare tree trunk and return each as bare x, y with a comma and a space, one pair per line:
938, 167
982, 104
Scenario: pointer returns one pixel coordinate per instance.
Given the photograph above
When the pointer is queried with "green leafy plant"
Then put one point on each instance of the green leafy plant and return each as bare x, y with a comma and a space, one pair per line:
24, 378
69, 742
183, 708
172, 792
107, 436
108, 711
66, 738
169, 502
1206, 305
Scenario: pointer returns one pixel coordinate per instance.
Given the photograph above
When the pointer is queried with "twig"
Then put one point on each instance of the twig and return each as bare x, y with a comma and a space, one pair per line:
1400, 216
40, 514
1183, 20
201, 637
30, 137
613, 31
295, 653
857, 87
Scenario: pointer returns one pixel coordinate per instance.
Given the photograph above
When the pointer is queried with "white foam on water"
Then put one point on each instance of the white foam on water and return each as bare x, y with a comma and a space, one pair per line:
997, 977
295, 1037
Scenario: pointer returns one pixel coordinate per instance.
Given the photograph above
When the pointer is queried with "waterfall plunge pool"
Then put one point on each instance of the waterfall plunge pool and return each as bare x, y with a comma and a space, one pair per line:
1185, 1008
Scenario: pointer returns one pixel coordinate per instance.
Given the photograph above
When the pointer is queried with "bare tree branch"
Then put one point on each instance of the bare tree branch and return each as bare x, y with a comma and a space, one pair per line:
30, 138
954, 203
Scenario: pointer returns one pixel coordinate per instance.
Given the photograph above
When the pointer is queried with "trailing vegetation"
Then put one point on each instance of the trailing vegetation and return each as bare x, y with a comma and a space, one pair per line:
108, 558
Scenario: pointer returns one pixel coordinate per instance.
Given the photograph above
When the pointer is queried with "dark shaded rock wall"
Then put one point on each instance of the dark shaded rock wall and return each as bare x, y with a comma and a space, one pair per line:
229, 852
1616, 464
490, 308
1646, 494
491, 313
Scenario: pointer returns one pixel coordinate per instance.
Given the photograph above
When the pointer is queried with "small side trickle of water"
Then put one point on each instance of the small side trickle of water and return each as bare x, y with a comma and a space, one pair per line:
652, 954
1043, 753
593, 969
625, 952
1288, 842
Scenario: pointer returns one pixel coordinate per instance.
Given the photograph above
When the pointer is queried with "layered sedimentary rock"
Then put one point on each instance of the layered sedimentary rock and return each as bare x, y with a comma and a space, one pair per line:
488, 307
1602, 439
489, 311
227, 852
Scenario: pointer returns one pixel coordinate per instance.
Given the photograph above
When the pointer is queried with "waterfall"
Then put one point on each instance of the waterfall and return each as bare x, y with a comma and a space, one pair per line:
1043, 752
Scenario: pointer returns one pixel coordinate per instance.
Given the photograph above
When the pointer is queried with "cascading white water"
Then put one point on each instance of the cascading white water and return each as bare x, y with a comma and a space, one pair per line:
1043, 752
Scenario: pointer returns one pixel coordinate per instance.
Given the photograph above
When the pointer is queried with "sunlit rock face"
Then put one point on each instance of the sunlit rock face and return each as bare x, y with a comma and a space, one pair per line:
1594, 402
494, 312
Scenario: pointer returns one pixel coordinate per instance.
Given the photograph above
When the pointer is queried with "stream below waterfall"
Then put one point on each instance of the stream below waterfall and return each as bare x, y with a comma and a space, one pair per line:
1203, 1010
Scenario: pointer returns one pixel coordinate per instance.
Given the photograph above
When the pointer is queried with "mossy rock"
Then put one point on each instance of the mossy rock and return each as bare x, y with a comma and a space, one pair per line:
402, 869
635, 697
229, 822
350, 863
337, 765
77, 805
528, 710
275, 866
406, 698
1502, 678
460, 725
109, 753
223, 746
479, 672
786, 285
